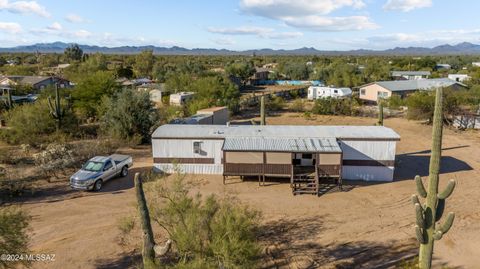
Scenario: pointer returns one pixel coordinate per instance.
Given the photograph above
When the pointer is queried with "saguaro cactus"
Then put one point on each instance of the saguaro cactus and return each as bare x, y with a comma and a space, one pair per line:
9, 100
262, 110
56, 109
380, 113
148, 252
150, 249
428, 214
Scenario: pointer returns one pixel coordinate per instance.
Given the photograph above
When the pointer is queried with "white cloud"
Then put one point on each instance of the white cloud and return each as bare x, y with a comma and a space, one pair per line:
24, 7
406, 5
310, 14
10, 27
82, 34
255, 31
224, 41
282, 8
55, 27
244, 30
74, 18
331, 24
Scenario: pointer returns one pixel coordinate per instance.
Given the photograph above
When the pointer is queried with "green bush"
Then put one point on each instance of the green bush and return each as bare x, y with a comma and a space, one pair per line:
206, 233
421, 104
395, 102
128, 115
298, 105
275, 103
333, 106
13, 234
32, 124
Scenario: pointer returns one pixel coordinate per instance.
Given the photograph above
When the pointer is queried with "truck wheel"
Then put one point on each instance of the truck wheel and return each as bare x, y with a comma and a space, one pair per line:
97, 185
124, 172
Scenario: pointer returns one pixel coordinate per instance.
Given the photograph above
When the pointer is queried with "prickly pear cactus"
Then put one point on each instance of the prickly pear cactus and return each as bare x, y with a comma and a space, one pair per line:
429, 213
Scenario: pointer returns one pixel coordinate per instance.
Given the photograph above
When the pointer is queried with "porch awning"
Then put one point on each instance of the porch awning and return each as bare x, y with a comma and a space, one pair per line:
304, 145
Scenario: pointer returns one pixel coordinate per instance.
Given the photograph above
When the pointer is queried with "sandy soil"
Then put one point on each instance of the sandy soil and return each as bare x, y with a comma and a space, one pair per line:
366, 226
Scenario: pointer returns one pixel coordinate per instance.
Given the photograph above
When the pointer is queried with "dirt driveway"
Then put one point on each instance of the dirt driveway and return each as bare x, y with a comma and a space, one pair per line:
368, 225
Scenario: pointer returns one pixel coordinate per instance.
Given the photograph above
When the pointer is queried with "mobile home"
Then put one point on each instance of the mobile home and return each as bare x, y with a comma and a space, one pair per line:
317, 92
342, 152
181, 98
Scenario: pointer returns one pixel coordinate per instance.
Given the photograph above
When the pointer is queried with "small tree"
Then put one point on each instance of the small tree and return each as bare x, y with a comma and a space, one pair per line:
241, 70
73, 52
128, 114
211, 232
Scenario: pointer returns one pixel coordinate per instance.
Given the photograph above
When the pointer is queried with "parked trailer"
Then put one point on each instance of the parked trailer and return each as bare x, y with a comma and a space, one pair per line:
317, 92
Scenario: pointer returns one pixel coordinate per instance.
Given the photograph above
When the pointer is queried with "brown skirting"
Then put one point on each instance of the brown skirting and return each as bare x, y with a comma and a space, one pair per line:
368, 163
185, 160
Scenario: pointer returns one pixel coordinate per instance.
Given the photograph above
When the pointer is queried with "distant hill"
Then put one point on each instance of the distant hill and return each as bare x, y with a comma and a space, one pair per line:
58, 47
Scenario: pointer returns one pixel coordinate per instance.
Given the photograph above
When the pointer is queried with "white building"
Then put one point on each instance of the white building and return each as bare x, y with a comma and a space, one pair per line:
459, 77
410, 75
181, 98
476, 64
348, 152
317, 92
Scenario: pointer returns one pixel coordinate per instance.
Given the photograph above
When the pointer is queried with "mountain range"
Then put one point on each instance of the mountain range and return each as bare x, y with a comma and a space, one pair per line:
58, 47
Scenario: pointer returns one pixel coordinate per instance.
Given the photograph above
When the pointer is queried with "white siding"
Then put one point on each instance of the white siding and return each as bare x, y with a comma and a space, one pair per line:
210, 169
368, 150
368, 173
183, 148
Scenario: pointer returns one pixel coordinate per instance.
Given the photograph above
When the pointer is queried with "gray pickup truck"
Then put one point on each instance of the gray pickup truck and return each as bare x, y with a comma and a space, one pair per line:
99, 169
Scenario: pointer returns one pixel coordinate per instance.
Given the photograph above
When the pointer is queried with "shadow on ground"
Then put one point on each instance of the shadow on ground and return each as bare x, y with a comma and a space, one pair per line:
60, 190
131, 260
292, 244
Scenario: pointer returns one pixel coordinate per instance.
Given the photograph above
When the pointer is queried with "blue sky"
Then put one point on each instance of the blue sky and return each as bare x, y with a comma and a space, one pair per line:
242, 24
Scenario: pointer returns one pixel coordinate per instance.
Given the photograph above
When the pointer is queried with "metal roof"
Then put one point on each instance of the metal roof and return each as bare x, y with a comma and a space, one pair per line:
419, 84
410, 73
272, 131
281, 144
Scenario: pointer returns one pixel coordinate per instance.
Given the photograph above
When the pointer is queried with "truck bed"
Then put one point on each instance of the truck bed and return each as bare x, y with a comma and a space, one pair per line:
119, 158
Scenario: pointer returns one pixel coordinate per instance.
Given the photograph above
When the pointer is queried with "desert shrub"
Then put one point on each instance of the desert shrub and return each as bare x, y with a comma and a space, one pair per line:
206, 232
275, 103
13, 234
125, 225
128, 115
395, 102
32, 124
87, 149
297, 105
55, 159
421, 104
334, 106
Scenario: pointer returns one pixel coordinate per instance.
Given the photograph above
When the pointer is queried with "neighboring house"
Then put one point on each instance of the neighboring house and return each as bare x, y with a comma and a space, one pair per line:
459, 77
410, 75
181, 98
317, 92
270, 66
344, 152
476, 64
443, 67
212, 115
155, 90
260, 73
385, 89
36, 82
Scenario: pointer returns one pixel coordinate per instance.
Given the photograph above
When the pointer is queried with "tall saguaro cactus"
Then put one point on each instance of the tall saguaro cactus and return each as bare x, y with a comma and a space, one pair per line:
150, 249
56, 109
380, 113
428, 214
148, 252
9, 100
262, 110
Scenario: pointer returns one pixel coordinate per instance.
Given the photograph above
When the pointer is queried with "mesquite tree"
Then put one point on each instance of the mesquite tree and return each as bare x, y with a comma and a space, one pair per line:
428, 214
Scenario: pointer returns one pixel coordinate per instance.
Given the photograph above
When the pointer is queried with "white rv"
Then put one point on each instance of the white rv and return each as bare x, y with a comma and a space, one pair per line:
317, 92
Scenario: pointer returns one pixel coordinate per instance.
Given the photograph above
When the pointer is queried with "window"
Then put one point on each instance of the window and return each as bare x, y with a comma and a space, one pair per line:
108, 165
306, 156
335, 91
381, 95
197, 147
362, 91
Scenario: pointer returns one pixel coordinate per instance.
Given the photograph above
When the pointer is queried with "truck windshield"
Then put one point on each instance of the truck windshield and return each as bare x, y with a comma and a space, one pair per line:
93, 166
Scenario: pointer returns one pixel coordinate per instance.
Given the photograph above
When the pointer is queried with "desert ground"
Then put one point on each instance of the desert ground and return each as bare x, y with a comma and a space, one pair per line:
364, 226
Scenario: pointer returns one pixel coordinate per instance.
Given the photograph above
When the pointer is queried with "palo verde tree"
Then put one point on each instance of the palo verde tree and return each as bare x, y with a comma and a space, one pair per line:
241, 70
431, 212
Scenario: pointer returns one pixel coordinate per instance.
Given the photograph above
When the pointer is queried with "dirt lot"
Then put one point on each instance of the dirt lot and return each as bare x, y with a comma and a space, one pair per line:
369, 225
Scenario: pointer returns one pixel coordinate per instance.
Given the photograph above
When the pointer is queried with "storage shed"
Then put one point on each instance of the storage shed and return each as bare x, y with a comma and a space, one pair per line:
303, 153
